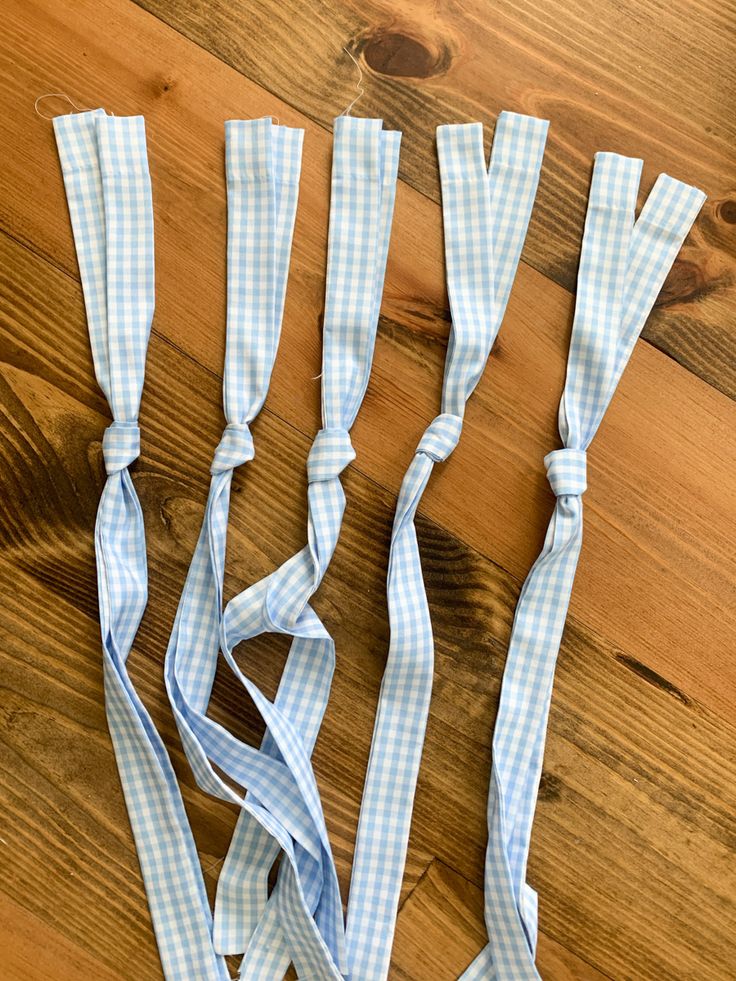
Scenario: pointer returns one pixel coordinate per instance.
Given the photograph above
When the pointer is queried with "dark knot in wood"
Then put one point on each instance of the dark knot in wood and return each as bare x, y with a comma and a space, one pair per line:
727, 212
685, 283
400, 55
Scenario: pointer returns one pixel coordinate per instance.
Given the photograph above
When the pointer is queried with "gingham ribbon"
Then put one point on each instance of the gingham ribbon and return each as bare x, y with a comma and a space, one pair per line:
302, 921
486, 215
108, 189
263, 164
622, 267
262, 176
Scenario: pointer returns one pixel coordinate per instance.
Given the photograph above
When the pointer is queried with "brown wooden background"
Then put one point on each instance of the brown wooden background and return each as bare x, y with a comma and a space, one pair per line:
633, 851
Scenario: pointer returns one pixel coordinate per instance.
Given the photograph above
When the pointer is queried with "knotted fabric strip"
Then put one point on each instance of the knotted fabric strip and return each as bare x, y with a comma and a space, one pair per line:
486, 215
262, 168
365, 164
622, 267
302, 921
108, 190
263, 164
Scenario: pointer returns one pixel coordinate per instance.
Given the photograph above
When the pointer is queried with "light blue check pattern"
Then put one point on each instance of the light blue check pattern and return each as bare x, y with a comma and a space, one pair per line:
623, 265
105, 169
302, 921
263, 164
486, 215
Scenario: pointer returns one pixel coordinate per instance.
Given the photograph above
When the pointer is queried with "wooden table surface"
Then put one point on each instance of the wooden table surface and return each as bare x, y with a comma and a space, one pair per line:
633, 849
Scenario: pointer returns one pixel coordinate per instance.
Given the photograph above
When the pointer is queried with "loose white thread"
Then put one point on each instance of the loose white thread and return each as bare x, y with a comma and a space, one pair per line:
358, 87
54, 95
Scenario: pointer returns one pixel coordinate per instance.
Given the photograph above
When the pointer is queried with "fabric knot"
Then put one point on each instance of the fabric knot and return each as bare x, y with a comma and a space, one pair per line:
121, 445
567, 472
331, 452
441, 437
235, 447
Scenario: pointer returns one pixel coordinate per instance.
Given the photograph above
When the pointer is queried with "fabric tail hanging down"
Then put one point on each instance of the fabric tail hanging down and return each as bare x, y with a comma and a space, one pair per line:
486, 215
105, 169
302, 921
623, 265
365, 165
263, 163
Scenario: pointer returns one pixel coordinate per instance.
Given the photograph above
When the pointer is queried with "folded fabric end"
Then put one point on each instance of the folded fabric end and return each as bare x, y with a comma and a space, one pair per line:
460, 152
357, 149
248, 144
519, 140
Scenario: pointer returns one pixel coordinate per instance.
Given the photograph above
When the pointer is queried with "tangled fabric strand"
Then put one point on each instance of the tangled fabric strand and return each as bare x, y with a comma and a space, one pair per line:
486, 214
302, 921
622, 268
105, 168
263, 165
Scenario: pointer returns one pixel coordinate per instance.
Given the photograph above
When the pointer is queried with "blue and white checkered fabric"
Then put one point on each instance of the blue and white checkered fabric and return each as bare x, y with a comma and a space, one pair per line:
365, 164
486, 215
622, 267
108, 189
263, 164
302, 921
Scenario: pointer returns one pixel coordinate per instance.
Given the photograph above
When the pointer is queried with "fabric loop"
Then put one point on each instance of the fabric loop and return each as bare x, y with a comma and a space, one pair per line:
121, 445
441, 437
302, 920
105, 167
567, 472
234, 449
331, 452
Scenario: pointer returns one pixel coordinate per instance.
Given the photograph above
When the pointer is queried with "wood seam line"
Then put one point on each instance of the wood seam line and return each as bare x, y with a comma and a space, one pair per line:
438, 862
306, 114
420, 879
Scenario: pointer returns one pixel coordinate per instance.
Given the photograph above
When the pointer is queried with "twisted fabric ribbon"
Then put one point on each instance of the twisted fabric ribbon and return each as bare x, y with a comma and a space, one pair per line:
486, 216
622, 268
108, 190
263, 164
302, 920
623, 265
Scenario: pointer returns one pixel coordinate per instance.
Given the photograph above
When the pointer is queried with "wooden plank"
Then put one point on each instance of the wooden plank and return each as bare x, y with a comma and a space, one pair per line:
634, 844
658, 571
447, 905
37, 951
636, 79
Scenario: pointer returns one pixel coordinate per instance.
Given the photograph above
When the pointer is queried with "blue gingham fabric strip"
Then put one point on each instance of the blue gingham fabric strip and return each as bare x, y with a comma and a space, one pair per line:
263, 167
263, 164
105, 169
282, 811
622, 268
365, 165
486, 216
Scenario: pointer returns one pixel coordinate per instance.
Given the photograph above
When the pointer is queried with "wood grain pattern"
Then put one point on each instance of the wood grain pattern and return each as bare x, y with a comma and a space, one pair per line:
666, 451
56, 957
633, 851
444, 902
635, 78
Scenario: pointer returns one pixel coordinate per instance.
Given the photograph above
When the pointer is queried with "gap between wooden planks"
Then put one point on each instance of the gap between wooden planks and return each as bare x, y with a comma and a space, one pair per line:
636, 78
